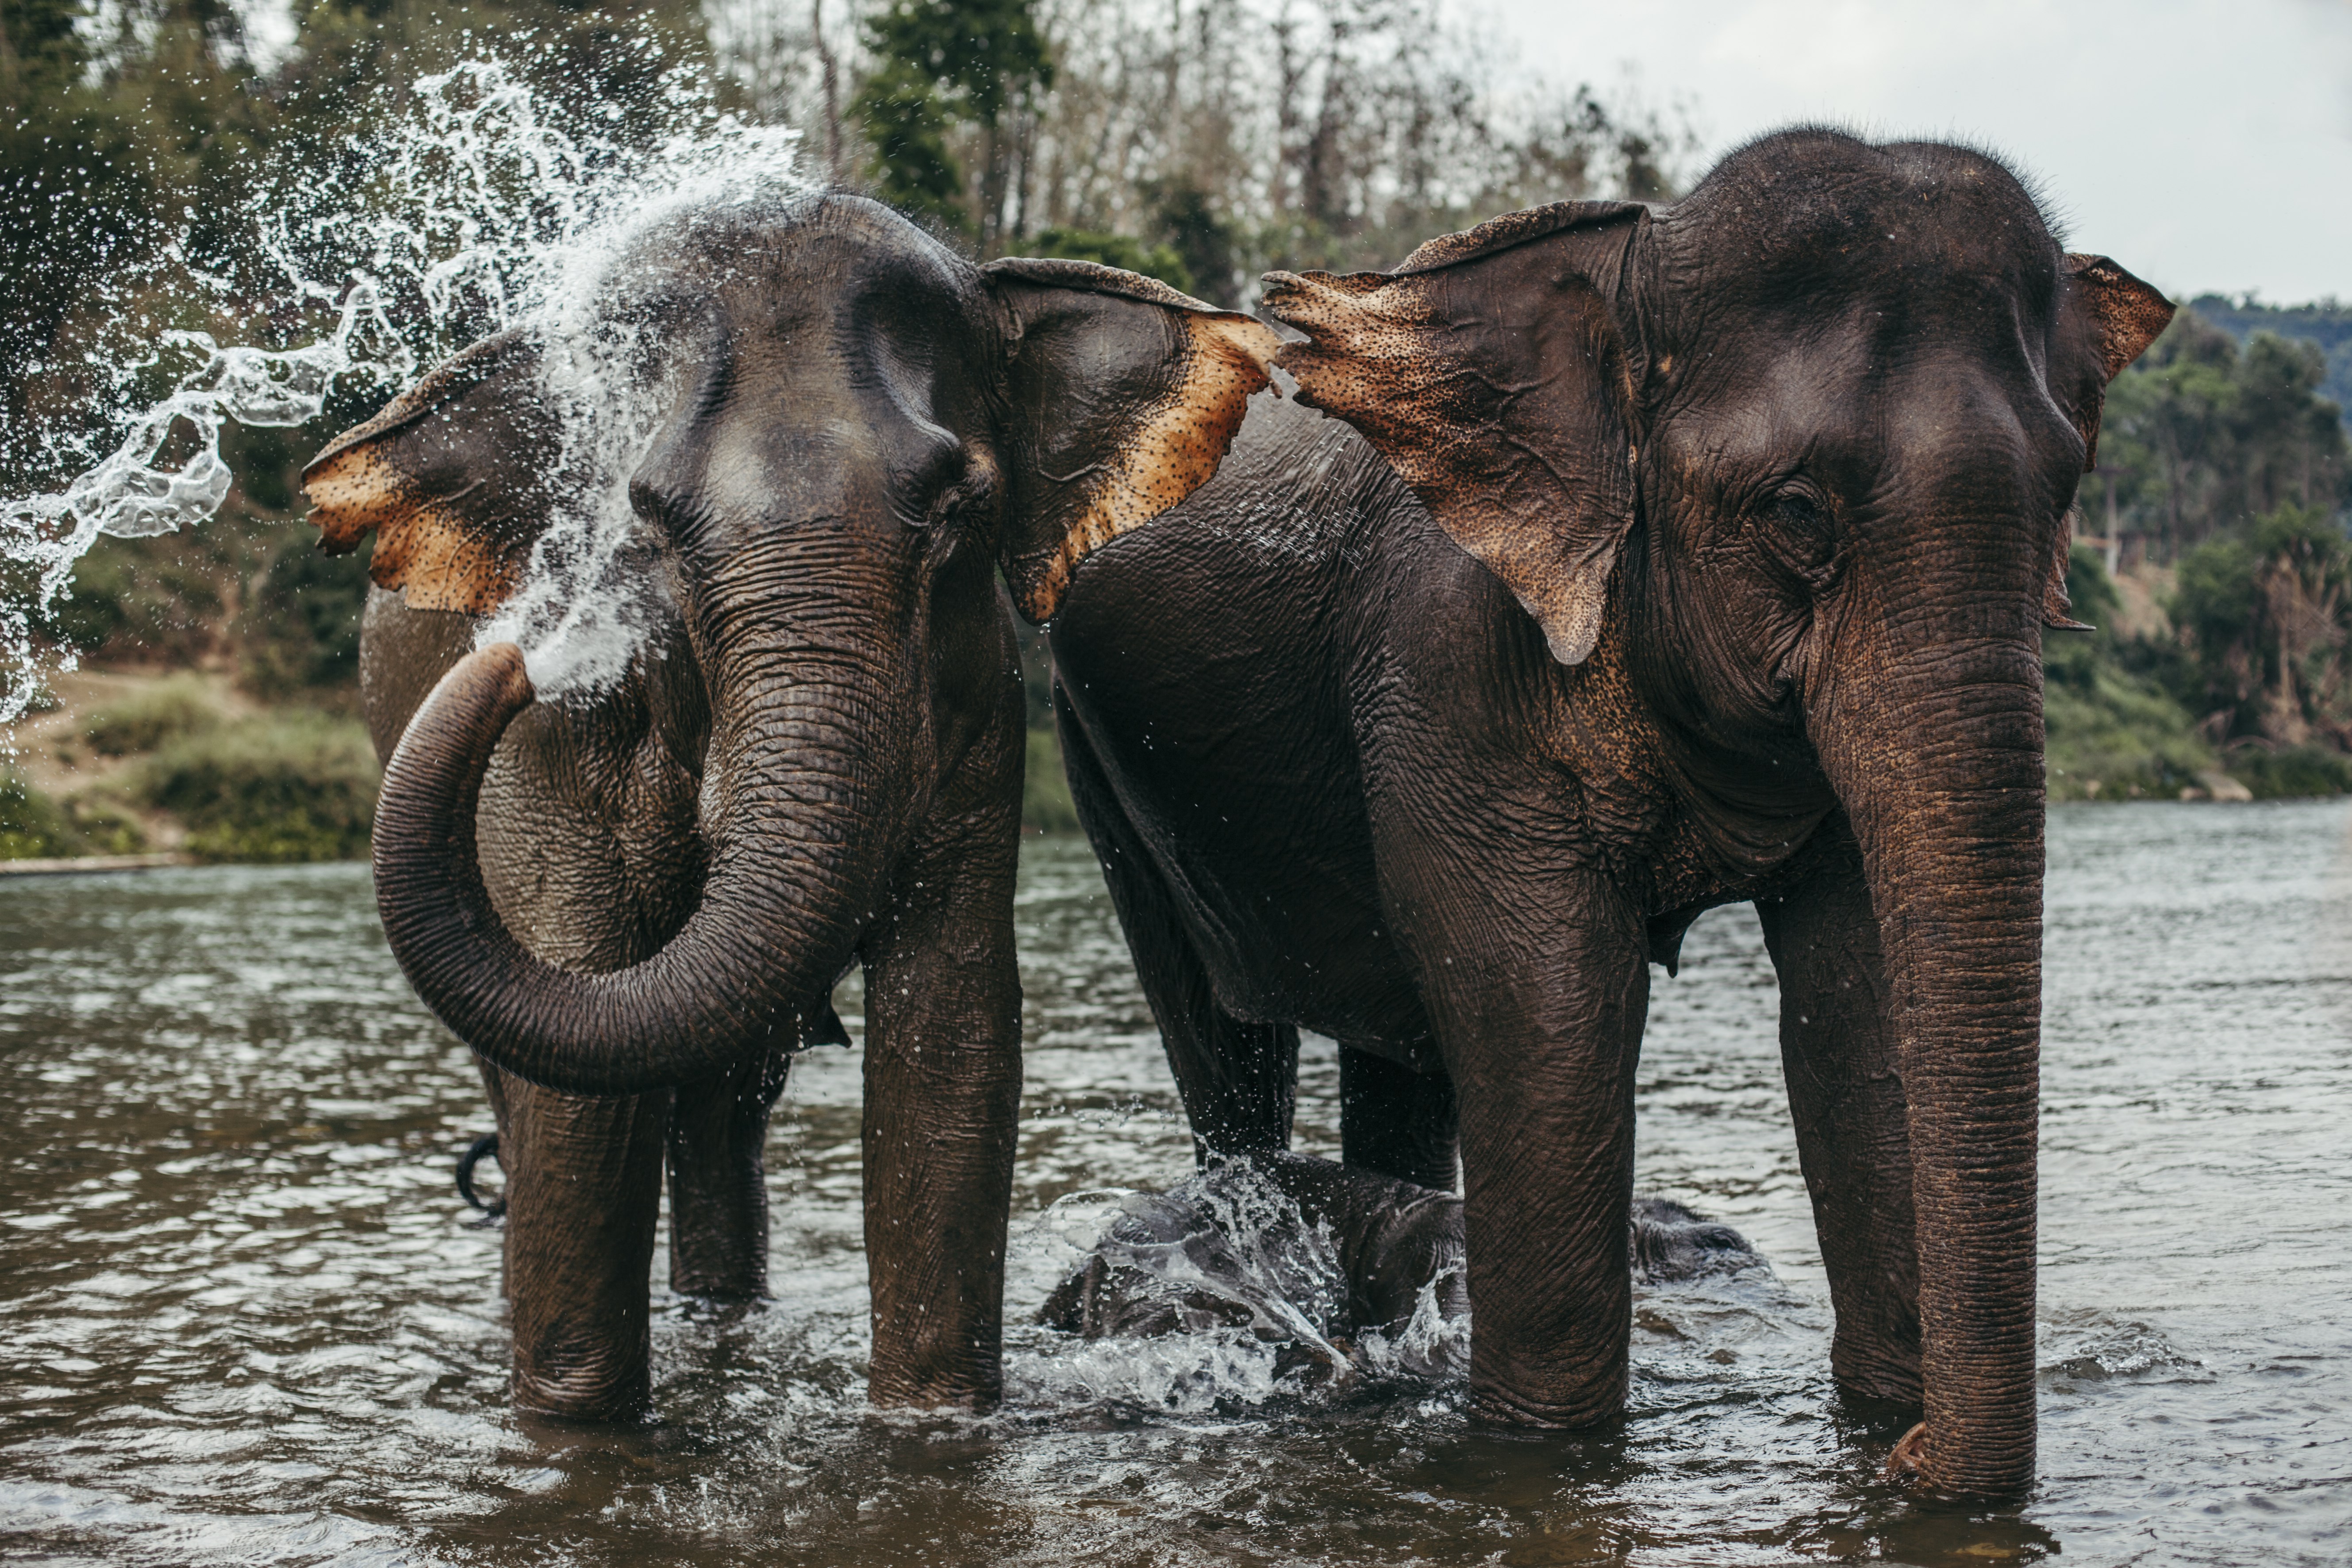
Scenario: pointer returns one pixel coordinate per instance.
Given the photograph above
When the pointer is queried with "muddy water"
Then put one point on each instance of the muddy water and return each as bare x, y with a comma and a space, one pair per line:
243, 1317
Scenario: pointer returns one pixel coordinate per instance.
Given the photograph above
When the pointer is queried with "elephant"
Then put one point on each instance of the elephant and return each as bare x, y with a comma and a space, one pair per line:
1226, 1248
633, 899
1639, 559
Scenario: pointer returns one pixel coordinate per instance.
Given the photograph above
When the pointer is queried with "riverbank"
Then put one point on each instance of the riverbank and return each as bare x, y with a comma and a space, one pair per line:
184, 764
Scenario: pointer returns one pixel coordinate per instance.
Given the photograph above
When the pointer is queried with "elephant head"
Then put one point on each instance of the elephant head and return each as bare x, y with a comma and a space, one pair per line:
857, 430
1791, 460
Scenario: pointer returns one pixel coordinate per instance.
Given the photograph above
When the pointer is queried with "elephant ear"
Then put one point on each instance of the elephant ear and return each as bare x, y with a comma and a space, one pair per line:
2112, 318
452, 478
1489, 369
1124, 396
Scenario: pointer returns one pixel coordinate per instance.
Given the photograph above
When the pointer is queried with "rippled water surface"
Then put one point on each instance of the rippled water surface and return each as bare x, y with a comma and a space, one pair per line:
243, 1316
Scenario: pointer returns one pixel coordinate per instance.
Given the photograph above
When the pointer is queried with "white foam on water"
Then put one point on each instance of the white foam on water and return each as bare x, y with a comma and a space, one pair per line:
1230, 1240
480, 208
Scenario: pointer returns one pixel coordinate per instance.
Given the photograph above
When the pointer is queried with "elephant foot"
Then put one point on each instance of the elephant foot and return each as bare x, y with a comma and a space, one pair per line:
1346, 1270
1907, 1462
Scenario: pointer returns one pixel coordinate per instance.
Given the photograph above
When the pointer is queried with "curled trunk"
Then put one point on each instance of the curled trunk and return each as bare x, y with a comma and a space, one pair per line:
774, 925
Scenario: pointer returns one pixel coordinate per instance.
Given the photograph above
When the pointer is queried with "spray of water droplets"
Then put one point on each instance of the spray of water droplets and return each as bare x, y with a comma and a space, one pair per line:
480, 206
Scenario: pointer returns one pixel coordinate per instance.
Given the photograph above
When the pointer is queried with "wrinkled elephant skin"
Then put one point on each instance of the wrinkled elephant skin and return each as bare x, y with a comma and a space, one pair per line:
1652, 559
634, 901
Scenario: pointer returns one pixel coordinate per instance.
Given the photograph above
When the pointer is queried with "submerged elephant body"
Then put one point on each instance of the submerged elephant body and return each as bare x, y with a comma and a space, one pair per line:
634, 901
1664, 557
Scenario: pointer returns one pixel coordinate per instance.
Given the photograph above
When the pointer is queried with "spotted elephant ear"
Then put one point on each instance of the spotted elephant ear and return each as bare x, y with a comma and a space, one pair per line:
452, 478
2107, 318
1489, 369
1123, 397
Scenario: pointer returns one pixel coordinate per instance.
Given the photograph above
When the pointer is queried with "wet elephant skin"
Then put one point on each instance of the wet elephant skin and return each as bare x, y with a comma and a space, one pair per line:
632, 900
1655, 558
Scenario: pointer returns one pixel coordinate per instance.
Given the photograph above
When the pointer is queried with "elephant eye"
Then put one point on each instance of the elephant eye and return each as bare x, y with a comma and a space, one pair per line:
1797, 511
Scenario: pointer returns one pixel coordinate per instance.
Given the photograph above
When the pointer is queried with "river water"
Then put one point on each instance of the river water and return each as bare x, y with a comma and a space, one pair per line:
243, 1317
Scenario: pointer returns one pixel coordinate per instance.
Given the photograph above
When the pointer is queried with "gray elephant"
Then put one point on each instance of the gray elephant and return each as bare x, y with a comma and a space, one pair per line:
1666, 557
633, 903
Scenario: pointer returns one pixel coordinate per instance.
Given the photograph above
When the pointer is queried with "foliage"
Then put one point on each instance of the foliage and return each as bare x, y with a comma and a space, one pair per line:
299, 635
2199, 437
1160, 261
1045, 803
2114, 732
2291, 773
2327, 325
153, 716
939, 64
2268, 612
291, 786
105, 826
32, 827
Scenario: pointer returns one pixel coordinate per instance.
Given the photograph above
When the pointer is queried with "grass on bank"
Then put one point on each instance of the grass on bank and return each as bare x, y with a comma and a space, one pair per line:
287, 786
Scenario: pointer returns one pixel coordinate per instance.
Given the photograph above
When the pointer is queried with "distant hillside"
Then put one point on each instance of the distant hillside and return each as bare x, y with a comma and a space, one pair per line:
2327, 325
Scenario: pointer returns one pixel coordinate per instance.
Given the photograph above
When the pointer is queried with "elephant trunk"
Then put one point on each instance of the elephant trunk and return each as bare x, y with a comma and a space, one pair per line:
1941, 768
790, 857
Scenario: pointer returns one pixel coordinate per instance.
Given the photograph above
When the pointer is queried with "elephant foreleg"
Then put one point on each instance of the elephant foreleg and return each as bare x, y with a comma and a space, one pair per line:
1846, 1098
943, 1113
718, 1181
1539, 993
583, 1190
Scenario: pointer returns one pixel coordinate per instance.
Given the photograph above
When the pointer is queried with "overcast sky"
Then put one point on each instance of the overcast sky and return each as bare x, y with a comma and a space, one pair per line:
2204, 145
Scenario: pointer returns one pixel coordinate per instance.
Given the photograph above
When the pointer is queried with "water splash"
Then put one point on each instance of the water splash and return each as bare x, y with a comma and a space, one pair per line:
1227, 1294
483, 205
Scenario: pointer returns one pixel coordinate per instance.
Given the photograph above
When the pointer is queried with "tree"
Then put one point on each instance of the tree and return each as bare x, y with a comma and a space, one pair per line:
2200, 438
939, 63
2267, 613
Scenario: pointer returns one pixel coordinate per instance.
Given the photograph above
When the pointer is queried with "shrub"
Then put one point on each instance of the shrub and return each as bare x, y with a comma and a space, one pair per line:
1045, 803
106, 829
31, 825
2113, 732
146, 720
2291, 773
299, 635
292, 787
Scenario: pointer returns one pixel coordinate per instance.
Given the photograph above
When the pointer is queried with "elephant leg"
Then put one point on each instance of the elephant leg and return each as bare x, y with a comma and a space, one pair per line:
1538, 988
943, 1114
718, 1181
1239, 1080
1394, 1120
1846, 1095
583, 1190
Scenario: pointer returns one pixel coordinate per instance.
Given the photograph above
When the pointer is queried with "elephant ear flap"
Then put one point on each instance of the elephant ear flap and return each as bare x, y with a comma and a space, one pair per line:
2115, 316
1124, 396
454, 477
1490, 371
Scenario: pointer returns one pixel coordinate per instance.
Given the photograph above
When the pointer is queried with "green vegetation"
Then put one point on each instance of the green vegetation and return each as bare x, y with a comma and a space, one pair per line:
2200, 439
32, 826
291, 786
2115, 733
165, 712
1045, 803
2291, 773
2326, 325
